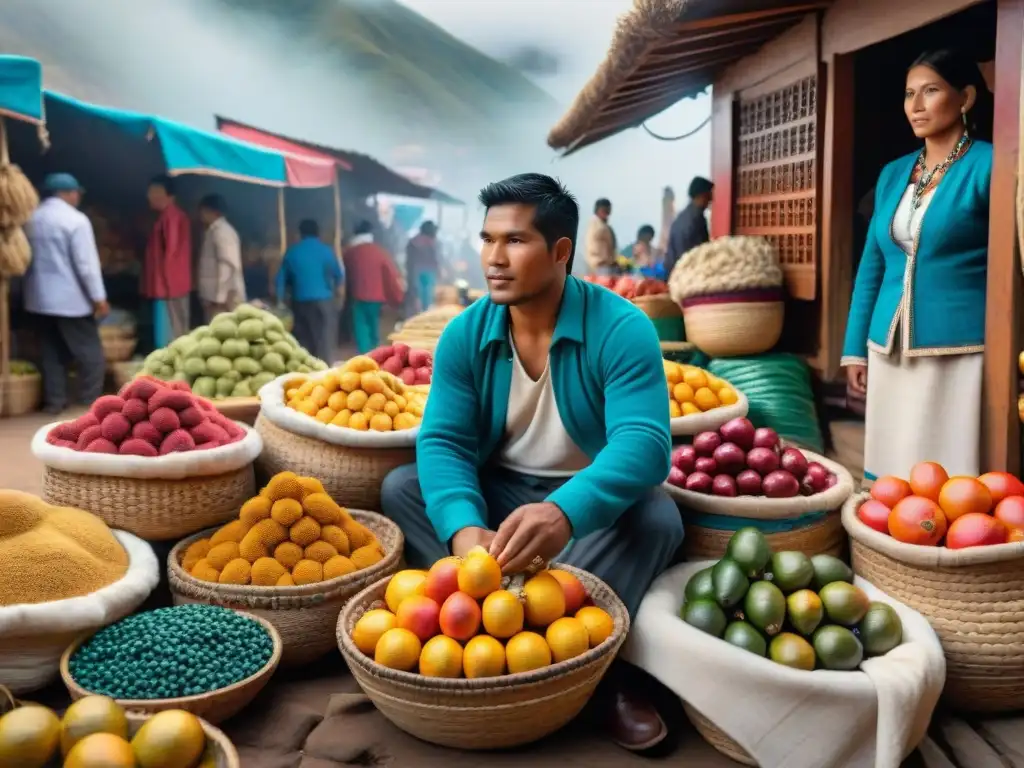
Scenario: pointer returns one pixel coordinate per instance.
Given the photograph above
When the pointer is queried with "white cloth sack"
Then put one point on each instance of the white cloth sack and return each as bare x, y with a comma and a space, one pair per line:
789, 718
709, 421
274, 408
37, 660
173, 466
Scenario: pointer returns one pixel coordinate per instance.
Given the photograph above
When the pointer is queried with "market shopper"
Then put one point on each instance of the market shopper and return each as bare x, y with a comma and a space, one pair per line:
690, 227
640, 253
312, 277
167, 276
64, 293
423, 264
373, 281
916, 329
547, 431
600, 240
221, 276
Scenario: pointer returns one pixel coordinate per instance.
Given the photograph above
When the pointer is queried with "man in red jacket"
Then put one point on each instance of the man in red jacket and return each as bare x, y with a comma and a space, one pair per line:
373, 281
167, 277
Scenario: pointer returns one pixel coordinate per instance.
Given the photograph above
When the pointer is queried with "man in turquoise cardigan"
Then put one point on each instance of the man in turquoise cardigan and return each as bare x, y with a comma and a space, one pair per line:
547, 429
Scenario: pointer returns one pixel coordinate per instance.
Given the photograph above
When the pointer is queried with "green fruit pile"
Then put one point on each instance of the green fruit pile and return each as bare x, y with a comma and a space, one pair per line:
22, 368
233, 356
799, 611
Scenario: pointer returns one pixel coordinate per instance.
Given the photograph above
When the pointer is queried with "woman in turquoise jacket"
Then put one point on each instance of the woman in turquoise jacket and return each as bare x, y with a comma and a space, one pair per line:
916, 329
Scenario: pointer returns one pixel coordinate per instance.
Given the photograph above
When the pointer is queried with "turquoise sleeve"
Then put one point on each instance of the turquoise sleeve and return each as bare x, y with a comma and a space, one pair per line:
637, 455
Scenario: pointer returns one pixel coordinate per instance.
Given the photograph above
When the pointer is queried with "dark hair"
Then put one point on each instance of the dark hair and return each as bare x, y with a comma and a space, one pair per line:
309, 228
699, 186
213, 203
961, 71
556, 214
602, 202
428, 228
164, 181
364, 227
646, 229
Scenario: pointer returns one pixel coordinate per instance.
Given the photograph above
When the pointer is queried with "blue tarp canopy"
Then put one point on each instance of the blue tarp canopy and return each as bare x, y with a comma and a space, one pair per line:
184, 150
21, 88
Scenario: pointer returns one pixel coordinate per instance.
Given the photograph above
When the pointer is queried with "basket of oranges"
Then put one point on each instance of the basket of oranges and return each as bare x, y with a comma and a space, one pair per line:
699, 401
952, 549
459, 657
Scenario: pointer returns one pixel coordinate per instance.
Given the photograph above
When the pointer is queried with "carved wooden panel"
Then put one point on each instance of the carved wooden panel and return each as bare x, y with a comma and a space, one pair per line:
777, 173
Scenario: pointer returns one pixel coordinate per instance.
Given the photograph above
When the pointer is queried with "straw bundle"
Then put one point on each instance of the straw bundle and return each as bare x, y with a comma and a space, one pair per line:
15, 253
18, 197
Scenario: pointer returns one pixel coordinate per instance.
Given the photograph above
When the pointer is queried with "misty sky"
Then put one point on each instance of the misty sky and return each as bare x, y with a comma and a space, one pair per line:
632, 168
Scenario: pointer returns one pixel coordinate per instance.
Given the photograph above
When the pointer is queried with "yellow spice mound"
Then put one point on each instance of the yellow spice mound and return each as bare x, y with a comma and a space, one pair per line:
53, 553
292, 533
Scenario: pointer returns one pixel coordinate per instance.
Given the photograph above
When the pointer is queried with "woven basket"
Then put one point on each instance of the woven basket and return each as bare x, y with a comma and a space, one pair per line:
484, 713
716, 737
973, 598
734, 329
825, 537
243, 409
157, 510
658, 305
306, 617
214, 707
118, 350
21, 394
353, 476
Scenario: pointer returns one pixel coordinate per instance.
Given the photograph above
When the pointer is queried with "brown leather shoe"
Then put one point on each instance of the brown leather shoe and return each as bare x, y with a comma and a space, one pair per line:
633, 723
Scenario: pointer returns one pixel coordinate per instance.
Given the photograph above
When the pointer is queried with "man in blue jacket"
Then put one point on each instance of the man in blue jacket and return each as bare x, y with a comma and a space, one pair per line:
547, 429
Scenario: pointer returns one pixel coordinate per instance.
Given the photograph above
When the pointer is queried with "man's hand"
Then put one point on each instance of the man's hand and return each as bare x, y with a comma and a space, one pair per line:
532, 531
467, 538
100, 309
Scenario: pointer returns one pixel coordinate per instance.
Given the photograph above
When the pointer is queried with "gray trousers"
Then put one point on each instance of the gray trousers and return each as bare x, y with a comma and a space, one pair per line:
627, 557
63, 340
316, 327
179, 312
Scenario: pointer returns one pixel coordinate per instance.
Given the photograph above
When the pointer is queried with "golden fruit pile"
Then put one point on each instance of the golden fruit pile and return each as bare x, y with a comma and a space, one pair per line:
455, 620
692, 390
289, 535
360, 396
94, 734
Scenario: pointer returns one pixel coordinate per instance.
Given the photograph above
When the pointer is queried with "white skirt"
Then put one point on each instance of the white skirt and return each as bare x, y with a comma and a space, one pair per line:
923, 409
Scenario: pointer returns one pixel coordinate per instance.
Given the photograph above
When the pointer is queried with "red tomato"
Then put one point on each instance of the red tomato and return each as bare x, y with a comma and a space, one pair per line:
917, 520
1011, 512
874, 514
1001, 485
976, 529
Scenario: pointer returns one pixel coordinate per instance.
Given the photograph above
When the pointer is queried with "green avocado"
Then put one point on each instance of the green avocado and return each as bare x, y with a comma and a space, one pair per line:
805, 611
837, 648
232, 348
200, 333
729, 582
743, 635
251, 329
273, 336
223, 327
261, 379
705, 615
224, 386
257, 350
194, 366
217, 365
828, 569
246, 311
844, 603
208, 347
242, 389
880, 630
205, 386
765, 607
700, 586
791, 571
273, 362
749, 548
246, 366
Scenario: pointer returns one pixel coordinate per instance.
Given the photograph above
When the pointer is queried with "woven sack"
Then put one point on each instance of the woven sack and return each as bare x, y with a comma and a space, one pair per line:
156, 498
34, 635
973, 598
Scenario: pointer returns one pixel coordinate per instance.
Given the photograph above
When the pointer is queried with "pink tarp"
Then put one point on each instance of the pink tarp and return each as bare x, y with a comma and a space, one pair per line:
306, 167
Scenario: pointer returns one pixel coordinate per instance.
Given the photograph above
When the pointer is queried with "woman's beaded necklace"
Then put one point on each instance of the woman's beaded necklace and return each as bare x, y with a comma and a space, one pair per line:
927, 180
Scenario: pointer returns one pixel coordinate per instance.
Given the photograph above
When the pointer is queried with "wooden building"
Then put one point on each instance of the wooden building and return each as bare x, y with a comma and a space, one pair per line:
807, 106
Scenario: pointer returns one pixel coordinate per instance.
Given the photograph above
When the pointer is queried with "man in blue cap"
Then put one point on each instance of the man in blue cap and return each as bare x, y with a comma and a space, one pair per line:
64, 293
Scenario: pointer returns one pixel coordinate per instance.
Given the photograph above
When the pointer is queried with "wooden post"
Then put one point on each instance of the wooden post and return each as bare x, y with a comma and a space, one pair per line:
5, 343
1001, 424
723, 142
282, 223
337, 215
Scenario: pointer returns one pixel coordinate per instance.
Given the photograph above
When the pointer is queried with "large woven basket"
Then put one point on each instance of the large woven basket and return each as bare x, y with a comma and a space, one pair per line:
214, 707
822, 537
157, 510
734, 329
484, 713
117, 350
717, 738
306, 617
973, 598
351, 475
21, 394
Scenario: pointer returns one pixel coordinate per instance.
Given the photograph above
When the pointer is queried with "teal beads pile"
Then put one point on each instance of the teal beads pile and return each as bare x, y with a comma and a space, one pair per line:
172, 652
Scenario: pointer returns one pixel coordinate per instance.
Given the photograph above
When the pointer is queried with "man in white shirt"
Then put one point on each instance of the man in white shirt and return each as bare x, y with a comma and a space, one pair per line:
64, 293
221, 279
601, 248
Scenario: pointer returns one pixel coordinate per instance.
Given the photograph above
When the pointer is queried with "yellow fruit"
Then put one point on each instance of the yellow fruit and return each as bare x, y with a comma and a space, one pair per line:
284, 485
308, 407
479, 574
105, 750
398, 649
392, 409
320, 551
689, 409
358, 534
401, 402
567, 638
320, 395
234, 531
483, 657
370, 382
28, 737
402, 585
405, 421
330, 382
359, 421
169, 739
357, 400
222, 554
715, 383
502, 614
336, 537
338, 401
349, 381
325, 415
370, 626
306, 387
263, 537
696, 378
674, 411
288, 554
364, 557
92, 714
204, 571
255, 509
342, 419
380, 422
305, 531
196, 551
307, 572
266, 572
238, 571
526, 652
705, 399
441, 657
598, 623
545, 599
727, 396
338, 566
673, 371
286, 580
682, 393
322, 508
286, 511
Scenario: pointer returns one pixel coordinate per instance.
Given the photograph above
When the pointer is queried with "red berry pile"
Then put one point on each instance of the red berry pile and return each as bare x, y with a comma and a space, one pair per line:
148, 417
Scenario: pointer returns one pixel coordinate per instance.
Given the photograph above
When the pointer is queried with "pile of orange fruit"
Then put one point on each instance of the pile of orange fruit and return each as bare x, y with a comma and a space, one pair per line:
692, 390
455, 620
930, 508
